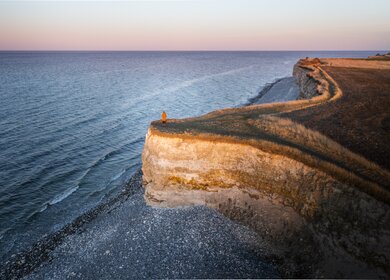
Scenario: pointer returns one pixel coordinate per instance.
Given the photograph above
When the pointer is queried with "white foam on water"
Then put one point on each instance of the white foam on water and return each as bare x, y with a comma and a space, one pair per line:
43, 208
63, 195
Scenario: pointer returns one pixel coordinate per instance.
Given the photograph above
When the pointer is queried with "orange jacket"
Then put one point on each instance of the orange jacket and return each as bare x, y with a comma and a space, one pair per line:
164, 117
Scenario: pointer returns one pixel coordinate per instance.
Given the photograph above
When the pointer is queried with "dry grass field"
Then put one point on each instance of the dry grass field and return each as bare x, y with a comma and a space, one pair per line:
360, 119
343, 130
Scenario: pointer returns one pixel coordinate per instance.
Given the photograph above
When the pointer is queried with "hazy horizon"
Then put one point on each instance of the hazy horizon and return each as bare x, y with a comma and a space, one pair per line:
108, 50
194, 25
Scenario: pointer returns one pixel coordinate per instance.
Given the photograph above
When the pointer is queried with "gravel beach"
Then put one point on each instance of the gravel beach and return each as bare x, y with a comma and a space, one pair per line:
132, 240
125, 238
281, 90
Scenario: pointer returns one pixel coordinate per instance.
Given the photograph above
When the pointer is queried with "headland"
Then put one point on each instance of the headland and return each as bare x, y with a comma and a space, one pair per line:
311, 175
307, 182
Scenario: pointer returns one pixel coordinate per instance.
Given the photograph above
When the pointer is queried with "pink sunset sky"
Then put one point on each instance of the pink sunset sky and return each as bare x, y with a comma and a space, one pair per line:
195, 25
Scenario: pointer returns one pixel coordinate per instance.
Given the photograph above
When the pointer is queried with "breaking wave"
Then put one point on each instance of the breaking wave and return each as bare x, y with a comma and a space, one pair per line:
62, 196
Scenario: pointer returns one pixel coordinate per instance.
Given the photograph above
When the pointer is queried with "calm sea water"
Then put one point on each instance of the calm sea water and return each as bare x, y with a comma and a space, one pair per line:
72, 124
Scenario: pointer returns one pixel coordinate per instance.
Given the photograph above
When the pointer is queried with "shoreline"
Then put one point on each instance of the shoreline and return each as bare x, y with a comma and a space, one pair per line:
267, 87
268, 126
280, 90
109, 234
27, 261
275, 153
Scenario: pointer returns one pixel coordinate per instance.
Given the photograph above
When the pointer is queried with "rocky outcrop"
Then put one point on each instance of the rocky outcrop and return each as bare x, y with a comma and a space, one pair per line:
307, 84
301, 210
319, 226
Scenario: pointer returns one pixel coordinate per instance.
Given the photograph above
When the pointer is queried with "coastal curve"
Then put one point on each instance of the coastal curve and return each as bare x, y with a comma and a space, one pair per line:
322, 202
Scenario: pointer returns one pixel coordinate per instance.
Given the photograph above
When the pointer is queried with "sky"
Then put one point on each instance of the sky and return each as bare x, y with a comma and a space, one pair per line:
195, 25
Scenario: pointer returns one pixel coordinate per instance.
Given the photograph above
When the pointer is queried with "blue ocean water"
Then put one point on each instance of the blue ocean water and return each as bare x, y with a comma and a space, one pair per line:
72, 124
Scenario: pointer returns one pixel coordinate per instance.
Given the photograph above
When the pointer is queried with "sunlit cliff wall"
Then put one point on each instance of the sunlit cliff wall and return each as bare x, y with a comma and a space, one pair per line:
321, 227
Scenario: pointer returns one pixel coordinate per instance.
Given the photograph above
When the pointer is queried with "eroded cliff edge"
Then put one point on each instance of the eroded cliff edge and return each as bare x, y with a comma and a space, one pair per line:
323, 206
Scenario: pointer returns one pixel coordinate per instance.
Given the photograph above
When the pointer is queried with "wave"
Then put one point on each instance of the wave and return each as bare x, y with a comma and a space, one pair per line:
58, 198
62, 196
117, 176
43, 208
116, 151
113, 179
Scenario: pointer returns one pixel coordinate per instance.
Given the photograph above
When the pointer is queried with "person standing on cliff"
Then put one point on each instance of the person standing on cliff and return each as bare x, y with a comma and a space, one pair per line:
164, 117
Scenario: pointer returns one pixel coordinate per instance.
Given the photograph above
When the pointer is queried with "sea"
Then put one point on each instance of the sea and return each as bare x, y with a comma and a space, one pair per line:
73, 124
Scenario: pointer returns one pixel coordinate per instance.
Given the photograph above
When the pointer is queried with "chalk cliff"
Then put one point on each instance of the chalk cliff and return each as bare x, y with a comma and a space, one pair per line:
323, 208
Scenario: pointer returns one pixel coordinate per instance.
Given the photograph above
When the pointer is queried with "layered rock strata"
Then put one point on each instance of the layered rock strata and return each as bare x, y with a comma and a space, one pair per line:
324, 218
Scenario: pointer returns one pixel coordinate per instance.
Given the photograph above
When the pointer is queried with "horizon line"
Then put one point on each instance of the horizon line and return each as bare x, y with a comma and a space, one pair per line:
201, 50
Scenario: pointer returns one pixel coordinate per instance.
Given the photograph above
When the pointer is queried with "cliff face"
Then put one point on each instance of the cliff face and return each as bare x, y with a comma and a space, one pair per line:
319, 225
194, 164
307, 84
301, 209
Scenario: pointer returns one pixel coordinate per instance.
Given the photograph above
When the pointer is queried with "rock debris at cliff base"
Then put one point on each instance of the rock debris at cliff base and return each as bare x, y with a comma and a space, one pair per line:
132, 240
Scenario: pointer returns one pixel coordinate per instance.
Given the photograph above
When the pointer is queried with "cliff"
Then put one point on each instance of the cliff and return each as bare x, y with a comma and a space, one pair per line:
324, 207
